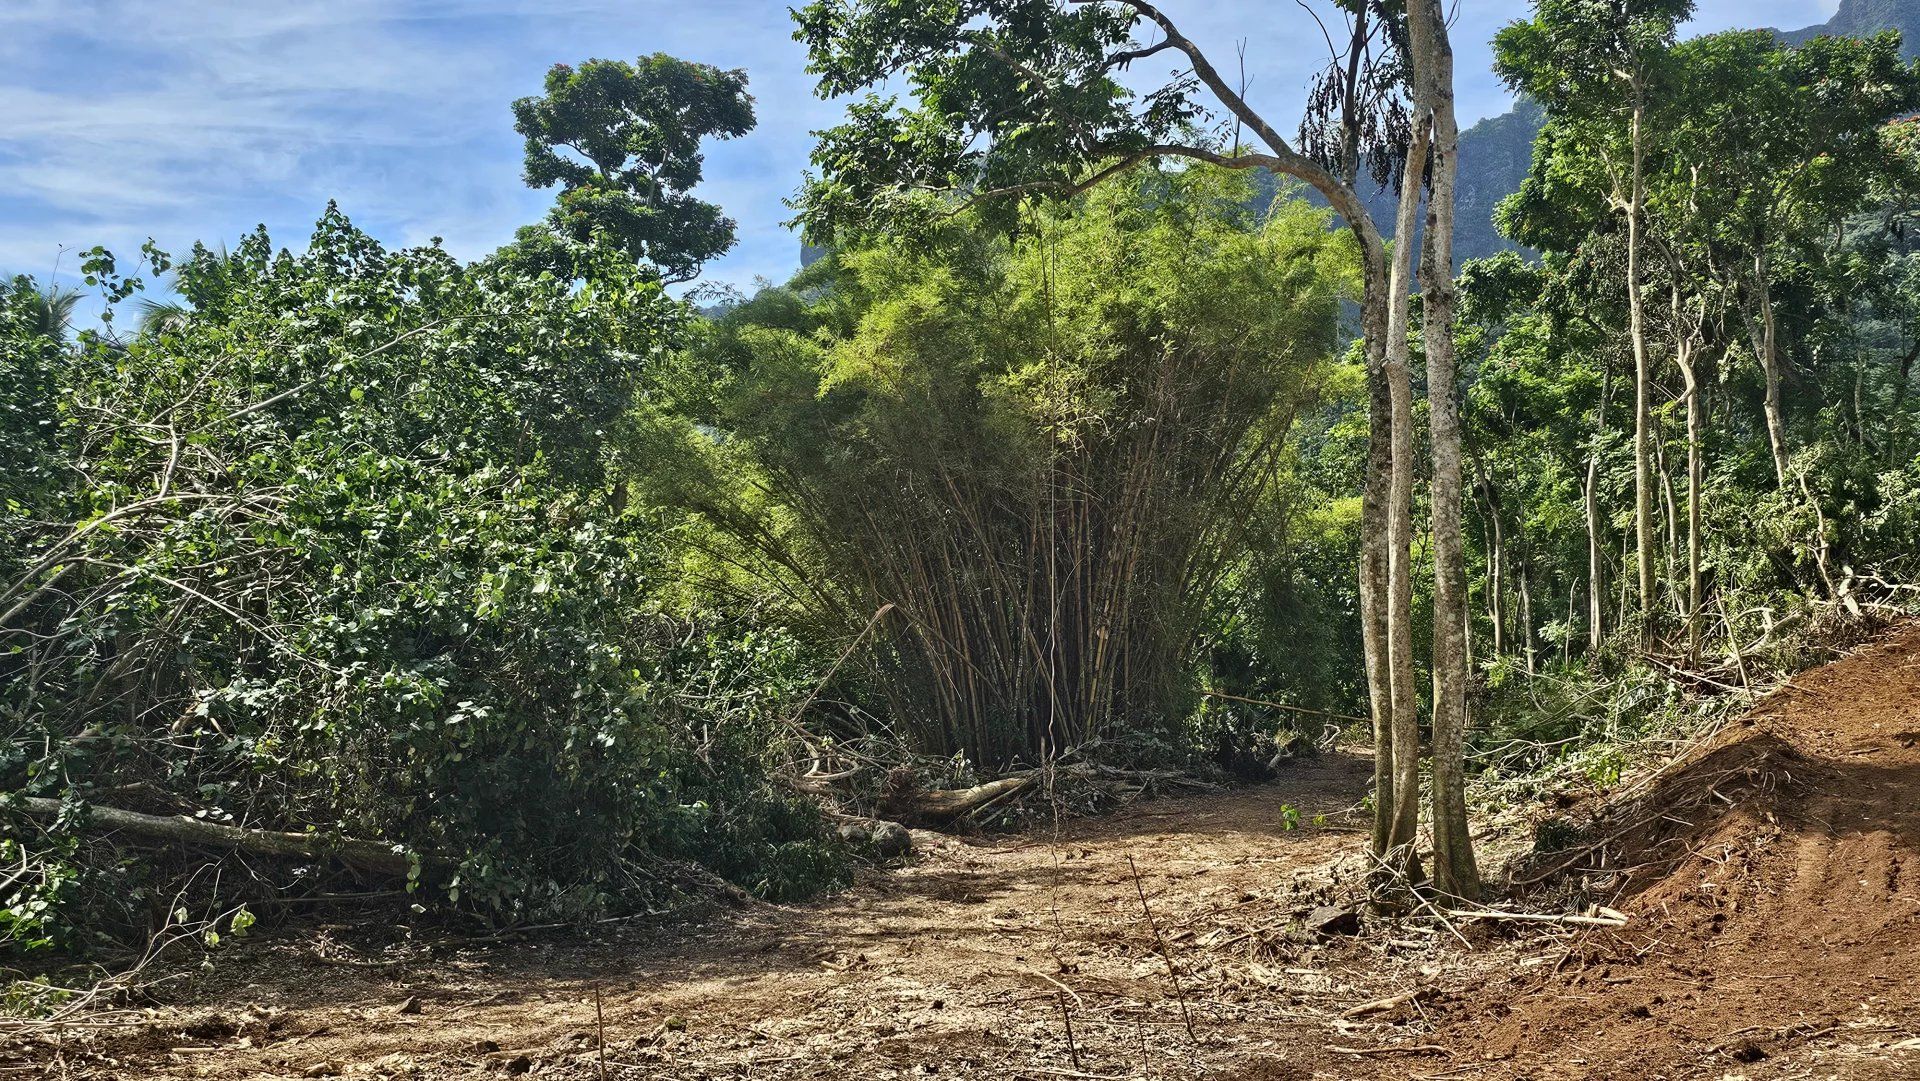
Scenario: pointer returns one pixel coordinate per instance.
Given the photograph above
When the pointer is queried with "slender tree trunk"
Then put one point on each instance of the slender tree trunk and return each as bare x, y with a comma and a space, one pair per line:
1690, 378
1626, 557
1403, 861
1377, 488
1642, 376
1373, 564
1767, 348
1670, 505
1767, 345
1496, 574
1456, 874
1566, 640
1596, 554
1523, 579
1897, 416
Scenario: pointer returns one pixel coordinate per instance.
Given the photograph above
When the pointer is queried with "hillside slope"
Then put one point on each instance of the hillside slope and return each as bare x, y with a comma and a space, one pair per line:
1772, 882
1860, 18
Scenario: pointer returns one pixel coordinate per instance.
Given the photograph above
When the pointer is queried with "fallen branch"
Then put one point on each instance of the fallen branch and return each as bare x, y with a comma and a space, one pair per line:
1616, 919
1285, 706
1410, 1049
184, 829
1380, 1005
1173, 974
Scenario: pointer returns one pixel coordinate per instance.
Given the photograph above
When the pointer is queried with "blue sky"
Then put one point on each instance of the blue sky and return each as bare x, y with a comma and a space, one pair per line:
194, 120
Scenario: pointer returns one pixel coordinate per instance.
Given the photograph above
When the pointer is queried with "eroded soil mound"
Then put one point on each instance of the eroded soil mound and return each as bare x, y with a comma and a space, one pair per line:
1773, 878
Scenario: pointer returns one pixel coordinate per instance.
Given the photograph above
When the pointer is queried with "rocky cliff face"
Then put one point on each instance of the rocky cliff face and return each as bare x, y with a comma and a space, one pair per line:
1860, 18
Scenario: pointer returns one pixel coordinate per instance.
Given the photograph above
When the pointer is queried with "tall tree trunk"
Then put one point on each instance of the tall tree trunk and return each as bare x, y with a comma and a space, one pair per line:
1596, 554
1373, 564
1670, 505
1642, 374
1626, 557
1897, 416
1523, 578
1456, 874
1496, 572
1403, 861
1566, 640
1690, 379
1767, 345
1377, 488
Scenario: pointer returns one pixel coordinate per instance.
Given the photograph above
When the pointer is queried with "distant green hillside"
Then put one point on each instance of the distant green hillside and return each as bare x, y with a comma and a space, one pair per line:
1494, 153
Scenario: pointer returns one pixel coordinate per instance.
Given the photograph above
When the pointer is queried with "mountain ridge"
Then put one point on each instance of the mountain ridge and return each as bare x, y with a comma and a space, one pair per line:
1496, 152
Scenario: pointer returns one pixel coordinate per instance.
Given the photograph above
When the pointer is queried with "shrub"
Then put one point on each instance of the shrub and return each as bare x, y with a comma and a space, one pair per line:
348, 559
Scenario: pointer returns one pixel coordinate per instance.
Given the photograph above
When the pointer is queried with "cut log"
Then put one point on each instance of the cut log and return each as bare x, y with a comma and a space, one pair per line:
904, 801
184, 829
1391, 1002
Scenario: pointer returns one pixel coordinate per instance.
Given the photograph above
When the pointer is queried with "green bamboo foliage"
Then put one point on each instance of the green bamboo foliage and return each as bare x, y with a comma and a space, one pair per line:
1042, 452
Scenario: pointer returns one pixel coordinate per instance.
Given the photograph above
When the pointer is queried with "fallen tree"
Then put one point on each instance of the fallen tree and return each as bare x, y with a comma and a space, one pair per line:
186, 829
904, 800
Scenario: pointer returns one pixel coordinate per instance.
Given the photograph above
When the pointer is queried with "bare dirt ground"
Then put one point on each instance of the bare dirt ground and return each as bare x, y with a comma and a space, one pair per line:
1771, 878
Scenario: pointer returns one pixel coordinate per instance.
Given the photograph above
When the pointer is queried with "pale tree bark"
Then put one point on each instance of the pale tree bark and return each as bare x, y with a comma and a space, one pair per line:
1621, 613
1386, 546
1696, 478
1670, 505
1523, 580
1765, 333
1596, 553
1402, 861
1374, 495
1766, 347
1456, 874
1688, 335
1373, 583
1496, 570
1642, 372
1384, 638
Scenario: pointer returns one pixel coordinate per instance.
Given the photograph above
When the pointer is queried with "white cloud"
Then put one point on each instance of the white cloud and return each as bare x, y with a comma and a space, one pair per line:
194, 120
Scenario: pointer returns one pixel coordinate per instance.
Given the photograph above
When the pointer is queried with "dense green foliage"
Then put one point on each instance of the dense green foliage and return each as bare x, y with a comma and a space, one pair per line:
1008, 96
527, 575
1038, 452
344, 556
623, 142
1494, 154
1778, 284
538, 577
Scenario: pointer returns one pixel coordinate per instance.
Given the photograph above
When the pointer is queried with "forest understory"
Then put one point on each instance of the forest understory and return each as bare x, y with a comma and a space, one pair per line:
1764, 876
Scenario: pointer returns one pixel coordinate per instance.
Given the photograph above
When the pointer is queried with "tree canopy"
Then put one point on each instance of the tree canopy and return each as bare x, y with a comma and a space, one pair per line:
623, 143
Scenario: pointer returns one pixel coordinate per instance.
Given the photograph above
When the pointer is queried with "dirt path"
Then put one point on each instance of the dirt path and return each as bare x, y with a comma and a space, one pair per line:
956, 966
1772, 877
